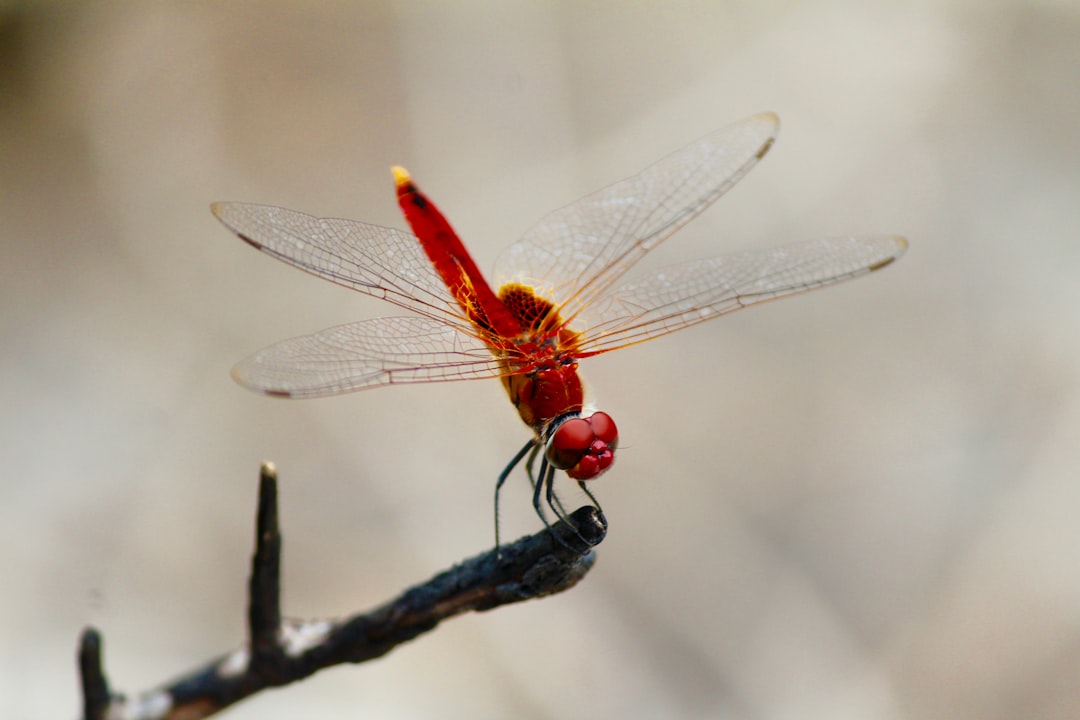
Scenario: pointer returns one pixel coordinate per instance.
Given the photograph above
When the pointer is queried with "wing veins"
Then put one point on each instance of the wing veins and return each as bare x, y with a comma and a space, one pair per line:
639, 311
348, 253
366, 354
596, 240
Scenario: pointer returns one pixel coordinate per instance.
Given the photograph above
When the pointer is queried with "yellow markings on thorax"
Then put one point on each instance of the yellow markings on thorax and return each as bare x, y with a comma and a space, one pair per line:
538, 316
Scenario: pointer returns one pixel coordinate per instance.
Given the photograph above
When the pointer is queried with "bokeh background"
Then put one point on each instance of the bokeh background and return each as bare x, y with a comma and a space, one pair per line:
861, 503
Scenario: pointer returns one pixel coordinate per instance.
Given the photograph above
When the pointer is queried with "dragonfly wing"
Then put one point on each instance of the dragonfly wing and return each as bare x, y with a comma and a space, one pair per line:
576, 253
688, 293
367, 354
382, 262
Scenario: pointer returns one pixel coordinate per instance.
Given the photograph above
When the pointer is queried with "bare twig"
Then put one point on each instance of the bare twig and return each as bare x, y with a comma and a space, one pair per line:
95, 687
264, 587
279, 653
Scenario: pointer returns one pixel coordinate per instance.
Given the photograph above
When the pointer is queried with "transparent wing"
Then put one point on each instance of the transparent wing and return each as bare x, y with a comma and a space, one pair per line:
576, 253
378, 261
688, 293
367, 354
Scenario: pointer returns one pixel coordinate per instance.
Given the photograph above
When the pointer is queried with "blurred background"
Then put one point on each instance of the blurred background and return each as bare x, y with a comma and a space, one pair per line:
859, 503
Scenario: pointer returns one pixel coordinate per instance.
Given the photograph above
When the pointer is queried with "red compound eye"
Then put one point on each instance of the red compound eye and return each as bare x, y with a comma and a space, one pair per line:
604, 427
583, 447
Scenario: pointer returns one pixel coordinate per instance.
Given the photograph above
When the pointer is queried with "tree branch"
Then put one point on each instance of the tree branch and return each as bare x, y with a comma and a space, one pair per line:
279, 653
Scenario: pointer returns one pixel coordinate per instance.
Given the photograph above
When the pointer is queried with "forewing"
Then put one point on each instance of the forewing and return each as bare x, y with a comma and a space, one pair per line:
688, 293
575, 253
366, 354
378, 261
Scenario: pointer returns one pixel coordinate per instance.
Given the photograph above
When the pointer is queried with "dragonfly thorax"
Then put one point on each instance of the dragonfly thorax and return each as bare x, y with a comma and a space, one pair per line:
544, 391
541, 364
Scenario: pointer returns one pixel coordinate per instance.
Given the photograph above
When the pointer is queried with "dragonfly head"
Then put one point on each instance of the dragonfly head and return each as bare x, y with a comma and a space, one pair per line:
583, 446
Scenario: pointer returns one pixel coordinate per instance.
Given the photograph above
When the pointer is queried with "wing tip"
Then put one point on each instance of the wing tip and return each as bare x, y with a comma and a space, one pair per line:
769, 123
901, 245
221, 210
769, 117
765, 147
250, 241
882, 263
240, 379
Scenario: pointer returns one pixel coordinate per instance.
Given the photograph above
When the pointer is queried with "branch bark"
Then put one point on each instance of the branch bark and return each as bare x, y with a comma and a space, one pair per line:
281, 652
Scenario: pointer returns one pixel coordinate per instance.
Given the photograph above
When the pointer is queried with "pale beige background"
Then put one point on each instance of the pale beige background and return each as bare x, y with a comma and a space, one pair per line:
861, 503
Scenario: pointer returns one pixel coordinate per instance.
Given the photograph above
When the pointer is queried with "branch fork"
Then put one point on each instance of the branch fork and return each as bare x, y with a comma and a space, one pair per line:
282, 652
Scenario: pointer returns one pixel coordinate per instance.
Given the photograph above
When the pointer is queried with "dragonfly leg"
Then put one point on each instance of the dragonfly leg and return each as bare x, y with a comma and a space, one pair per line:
546, 484
594, 501
552, 499
543, 486
557, 507
547, 475
529, 464
531, 445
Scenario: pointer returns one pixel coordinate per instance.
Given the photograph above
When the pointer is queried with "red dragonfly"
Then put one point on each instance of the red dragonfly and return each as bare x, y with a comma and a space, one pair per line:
561, 297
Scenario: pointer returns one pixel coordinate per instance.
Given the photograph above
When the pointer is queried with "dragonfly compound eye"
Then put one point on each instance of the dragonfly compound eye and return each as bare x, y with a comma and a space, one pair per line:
584, 447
